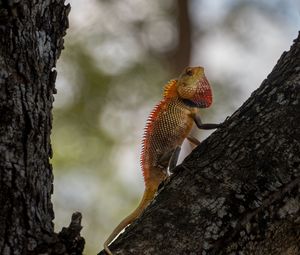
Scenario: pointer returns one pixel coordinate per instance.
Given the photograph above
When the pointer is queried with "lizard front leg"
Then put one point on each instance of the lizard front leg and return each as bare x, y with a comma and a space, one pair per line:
205, 126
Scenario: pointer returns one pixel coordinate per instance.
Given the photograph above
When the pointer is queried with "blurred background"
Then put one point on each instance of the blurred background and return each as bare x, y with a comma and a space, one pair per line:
118, 56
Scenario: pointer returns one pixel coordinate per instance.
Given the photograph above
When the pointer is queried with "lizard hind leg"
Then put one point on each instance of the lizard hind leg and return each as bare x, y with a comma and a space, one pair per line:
193, 141
168, 160
174, 158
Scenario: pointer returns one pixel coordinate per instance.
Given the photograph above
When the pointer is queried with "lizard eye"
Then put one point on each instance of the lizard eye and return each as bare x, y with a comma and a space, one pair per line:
189, 71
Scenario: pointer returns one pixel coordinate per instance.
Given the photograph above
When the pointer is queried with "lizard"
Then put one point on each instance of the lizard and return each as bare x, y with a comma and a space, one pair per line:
169, 123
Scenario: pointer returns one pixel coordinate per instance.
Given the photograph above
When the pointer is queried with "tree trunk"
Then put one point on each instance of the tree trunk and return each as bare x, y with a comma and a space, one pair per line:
31, 40
180, 58
239, 191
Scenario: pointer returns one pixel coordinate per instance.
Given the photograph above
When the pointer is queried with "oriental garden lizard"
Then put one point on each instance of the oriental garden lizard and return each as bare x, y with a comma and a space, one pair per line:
169, 123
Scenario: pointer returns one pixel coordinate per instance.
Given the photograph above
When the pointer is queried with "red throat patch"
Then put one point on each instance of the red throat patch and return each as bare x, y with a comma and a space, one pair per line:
203, 95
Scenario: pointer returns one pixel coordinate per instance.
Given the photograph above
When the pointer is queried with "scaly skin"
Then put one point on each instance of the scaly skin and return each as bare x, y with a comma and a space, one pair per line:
168, 125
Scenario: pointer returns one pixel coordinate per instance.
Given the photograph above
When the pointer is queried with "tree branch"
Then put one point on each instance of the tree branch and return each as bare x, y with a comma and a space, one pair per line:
238, 192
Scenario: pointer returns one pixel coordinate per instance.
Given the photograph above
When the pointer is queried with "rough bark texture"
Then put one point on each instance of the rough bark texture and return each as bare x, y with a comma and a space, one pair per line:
239, 191
31, 40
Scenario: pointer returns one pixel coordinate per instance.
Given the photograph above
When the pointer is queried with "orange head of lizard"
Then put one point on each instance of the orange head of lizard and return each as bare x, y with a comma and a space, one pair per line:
193, 87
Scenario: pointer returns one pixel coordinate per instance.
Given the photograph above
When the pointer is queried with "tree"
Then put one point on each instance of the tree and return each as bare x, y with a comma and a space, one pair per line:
239, 191
31, 40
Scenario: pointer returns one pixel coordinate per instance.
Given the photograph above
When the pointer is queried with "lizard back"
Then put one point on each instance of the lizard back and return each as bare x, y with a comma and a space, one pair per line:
167, 126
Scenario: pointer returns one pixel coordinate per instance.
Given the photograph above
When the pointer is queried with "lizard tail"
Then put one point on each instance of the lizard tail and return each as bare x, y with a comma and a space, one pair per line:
147, 197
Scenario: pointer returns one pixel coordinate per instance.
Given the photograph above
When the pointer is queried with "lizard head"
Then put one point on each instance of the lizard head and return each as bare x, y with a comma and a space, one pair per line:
193, 87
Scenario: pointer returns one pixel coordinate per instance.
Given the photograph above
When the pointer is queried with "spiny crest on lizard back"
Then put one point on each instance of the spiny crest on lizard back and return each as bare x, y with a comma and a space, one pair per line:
147, 131
170, 91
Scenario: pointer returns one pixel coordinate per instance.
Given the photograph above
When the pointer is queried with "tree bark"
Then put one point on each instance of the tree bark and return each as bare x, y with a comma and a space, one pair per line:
238, 192
31, 40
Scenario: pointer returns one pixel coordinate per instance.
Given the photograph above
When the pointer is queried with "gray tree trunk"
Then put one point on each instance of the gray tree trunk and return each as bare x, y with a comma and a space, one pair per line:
31, 40
238, 192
